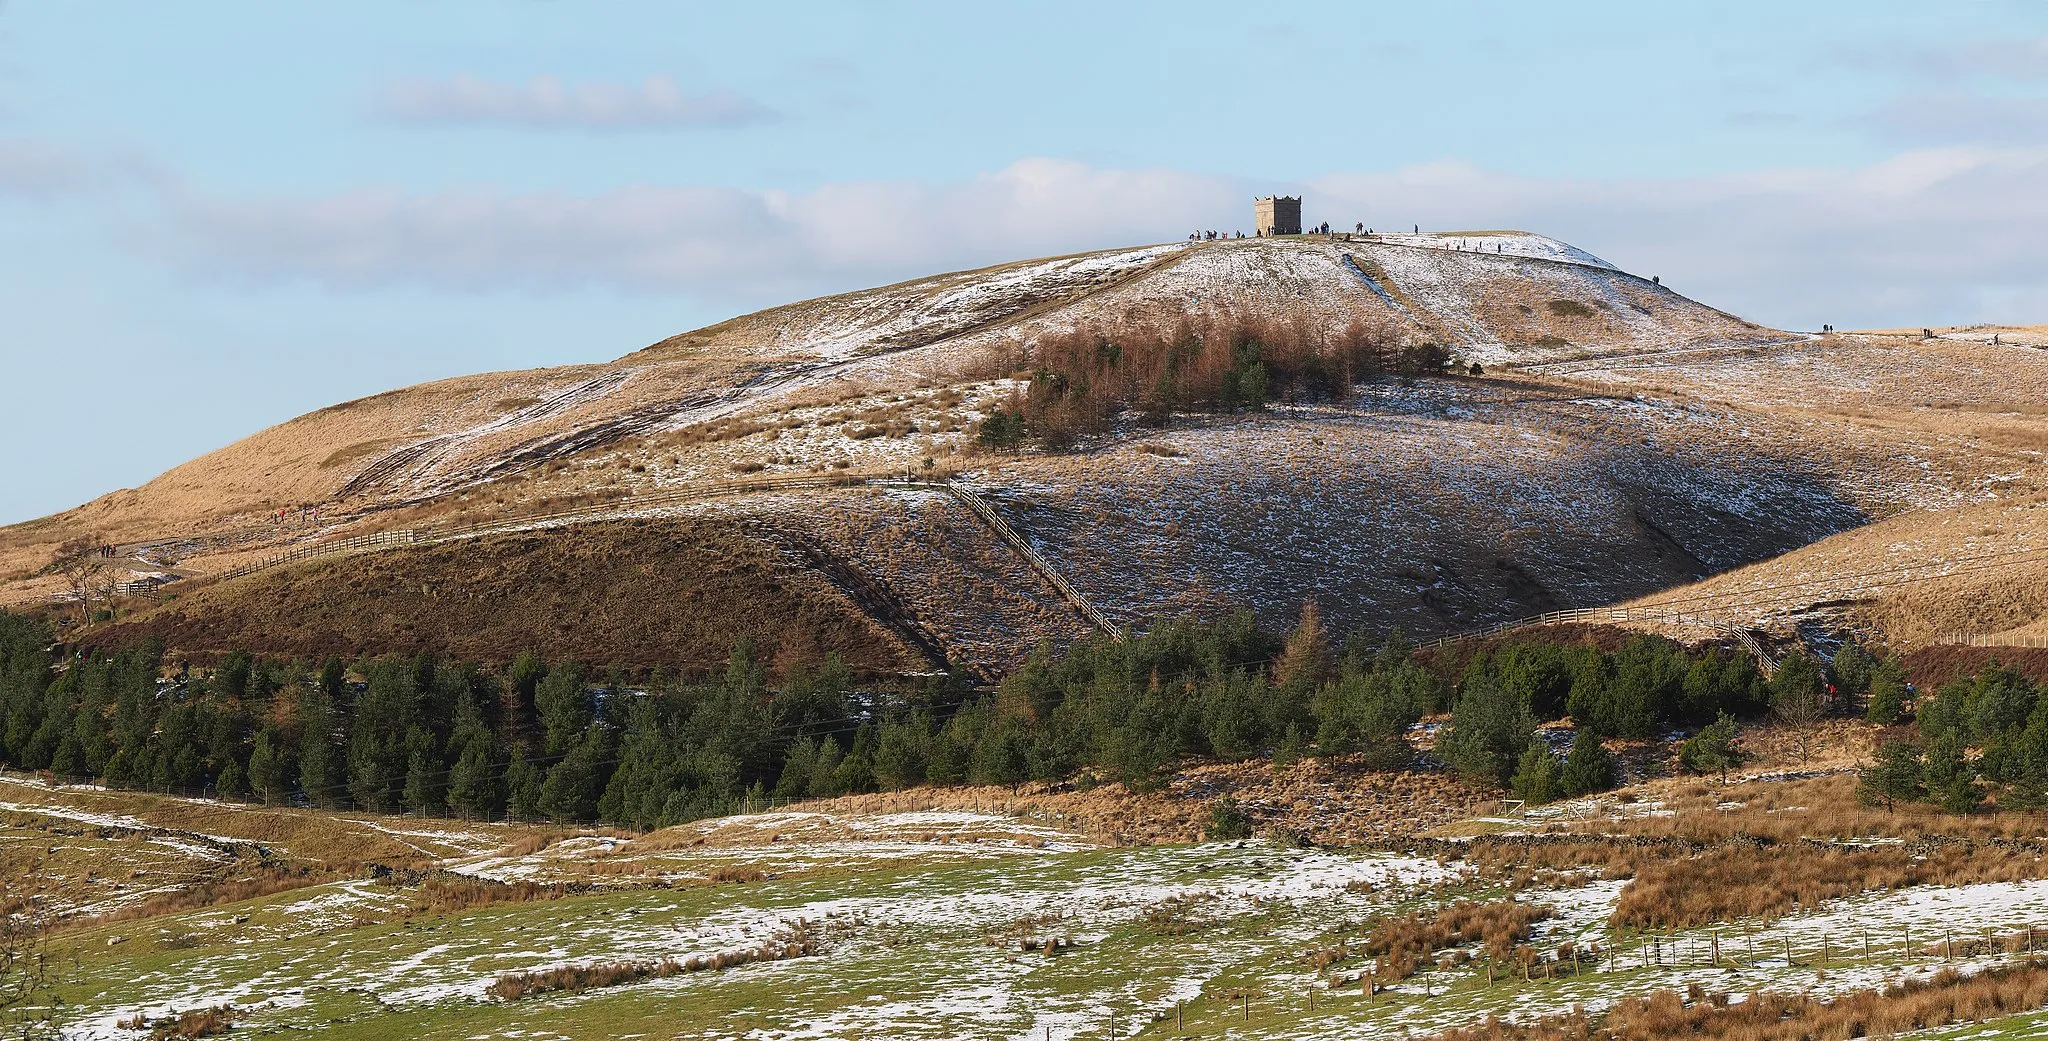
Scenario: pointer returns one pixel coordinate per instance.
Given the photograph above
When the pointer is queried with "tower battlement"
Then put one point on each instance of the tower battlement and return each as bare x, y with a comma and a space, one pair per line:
1278, 215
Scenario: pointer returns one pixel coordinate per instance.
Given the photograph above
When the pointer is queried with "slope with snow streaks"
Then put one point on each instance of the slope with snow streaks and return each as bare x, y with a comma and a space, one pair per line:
911, 314
1499, 243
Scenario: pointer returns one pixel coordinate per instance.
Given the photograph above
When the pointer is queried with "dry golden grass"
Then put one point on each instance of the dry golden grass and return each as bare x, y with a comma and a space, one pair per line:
232, 888
444, 892
672, 593
1401, 945
1740, 880
1947, 997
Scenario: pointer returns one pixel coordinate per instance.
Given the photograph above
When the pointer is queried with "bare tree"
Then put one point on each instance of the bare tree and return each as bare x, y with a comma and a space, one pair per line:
1799, 700
85, 571
30, 1009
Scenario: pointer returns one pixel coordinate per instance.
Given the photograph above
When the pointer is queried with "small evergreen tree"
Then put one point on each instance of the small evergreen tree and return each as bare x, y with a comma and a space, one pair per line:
797, 764
231, 782
423, 773
1489, 731
1894, 778
522, 787
1590, 767
1950, 776
1852, 669
1536, 774
856, 772
476, 790
1712, 750
1888, 692
1227, 821
900, 753
269, 767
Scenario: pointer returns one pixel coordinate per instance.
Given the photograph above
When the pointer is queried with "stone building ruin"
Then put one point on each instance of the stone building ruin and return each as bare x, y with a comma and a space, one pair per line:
1278, 215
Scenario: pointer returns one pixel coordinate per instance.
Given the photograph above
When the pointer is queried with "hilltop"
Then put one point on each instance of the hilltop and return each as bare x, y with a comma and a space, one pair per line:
1600, 438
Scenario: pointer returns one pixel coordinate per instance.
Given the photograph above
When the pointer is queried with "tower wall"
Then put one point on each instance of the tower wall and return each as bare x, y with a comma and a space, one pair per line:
1278, 215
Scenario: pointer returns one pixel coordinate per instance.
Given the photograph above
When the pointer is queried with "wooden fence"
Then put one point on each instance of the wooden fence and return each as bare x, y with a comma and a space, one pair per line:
1967, 640
1016, 541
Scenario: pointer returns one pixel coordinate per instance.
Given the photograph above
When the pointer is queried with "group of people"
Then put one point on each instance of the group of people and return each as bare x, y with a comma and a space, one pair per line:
295, 515
1320, 229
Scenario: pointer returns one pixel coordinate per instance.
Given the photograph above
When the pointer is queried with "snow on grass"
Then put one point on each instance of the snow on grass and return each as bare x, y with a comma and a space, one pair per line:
1497, 243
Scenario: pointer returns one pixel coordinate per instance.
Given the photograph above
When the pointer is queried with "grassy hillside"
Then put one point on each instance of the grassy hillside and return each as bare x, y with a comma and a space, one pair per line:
675, 593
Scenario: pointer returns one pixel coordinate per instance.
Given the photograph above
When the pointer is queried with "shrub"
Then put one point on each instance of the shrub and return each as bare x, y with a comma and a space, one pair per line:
1712, 750
1227, 820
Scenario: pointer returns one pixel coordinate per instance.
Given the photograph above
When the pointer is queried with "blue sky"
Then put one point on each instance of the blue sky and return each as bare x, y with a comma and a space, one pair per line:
216, 216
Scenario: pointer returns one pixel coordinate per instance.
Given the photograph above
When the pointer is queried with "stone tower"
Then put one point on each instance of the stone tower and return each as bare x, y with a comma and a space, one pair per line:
1278, 215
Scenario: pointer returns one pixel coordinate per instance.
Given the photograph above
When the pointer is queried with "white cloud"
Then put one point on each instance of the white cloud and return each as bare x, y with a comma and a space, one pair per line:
1930, 236
1971, 59
549, 101
40, 170
43, 171
1949, 117
724, 243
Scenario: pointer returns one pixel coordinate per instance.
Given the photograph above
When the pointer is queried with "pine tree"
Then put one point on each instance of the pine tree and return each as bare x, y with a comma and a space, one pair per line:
1895, 777
231, 782
949, 758
1853, 668
1489, 730
322, 770
270, 772
571, 791
476, 791
999, 757
522, 787
797, 765
1888, 692
1950, 777
824, 779
900, 753
1712, 750
565, 708
1536, 774
423, 773
1369, 714
1590, 767
856, 772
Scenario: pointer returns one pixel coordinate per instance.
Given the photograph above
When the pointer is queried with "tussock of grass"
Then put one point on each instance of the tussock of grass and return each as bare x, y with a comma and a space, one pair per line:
205, 1022
797, 940
444, 892
264, 881
1401, 945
